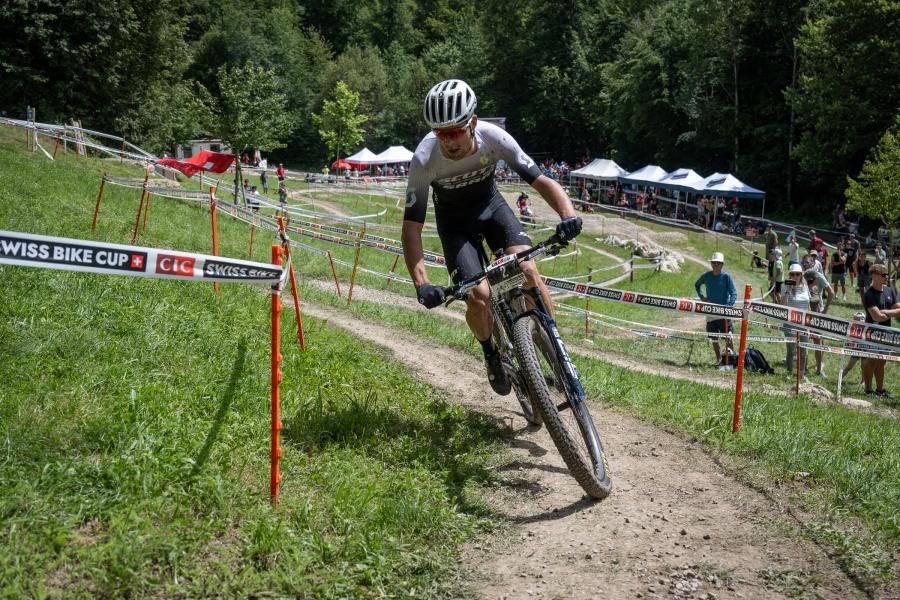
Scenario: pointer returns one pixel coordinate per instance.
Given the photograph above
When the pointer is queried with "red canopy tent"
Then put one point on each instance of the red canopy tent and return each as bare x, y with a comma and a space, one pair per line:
215, 162
342, 164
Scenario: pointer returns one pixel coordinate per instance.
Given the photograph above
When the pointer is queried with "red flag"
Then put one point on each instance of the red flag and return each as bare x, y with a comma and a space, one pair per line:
204, 160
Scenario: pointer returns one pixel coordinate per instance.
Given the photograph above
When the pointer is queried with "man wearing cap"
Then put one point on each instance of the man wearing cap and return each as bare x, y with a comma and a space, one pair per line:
853, 250
821, 295
880, 302
796, 295
719, 290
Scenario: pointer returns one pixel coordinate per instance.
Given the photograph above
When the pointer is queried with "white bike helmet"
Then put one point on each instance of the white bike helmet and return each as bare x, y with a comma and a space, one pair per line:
450, 103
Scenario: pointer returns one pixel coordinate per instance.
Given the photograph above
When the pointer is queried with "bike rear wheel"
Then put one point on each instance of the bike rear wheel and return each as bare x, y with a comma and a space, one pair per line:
569, 423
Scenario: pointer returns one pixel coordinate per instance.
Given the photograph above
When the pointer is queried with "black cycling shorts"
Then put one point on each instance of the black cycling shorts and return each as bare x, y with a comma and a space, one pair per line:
459, 232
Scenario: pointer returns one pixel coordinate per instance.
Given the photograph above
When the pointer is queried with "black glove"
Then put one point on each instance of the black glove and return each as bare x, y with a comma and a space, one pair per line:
430, 295
568, 229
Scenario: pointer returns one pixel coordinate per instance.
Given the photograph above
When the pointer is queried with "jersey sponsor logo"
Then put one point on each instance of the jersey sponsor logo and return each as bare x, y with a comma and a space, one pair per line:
169, 264
223, 270
73, 254
458, 181
526, 160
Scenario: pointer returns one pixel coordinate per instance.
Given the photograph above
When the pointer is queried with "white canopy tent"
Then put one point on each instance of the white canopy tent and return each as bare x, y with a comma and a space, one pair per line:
683, 180
394, 154
600, 169
650, 174
363, 157
725, 184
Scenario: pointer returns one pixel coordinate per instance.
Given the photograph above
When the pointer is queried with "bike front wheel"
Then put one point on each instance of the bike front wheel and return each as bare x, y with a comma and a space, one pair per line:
565, 413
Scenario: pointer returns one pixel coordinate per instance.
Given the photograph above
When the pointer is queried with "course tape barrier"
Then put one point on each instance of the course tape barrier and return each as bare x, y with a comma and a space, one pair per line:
28, 250
796, 318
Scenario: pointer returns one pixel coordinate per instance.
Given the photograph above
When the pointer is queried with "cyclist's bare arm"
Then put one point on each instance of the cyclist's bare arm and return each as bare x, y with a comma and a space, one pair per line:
413, 254
555, 196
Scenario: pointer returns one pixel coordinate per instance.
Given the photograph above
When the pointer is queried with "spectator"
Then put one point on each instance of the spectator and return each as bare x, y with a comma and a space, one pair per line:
793, 251
280, 172
719, 290
880, 302
264, 181
796, 295
757, 263
777, 280
863, 279
880, 255
282, 193
771, 239
895, 261
821, 295
839, 270
853, 250
253, 199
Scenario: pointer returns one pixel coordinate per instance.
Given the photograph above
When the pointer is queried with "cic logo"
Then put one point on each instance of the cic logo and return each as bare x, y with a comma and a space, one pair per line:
181, 266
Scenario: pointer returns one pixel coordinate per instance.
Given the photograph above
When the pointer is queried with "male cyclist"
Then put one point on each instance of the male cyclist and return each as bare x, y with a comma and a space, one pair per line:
457, 159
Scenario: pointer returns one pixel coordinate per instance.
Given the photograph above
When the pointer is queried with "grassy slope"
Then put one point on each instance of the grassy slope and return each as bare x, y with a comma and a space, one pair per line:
134, 424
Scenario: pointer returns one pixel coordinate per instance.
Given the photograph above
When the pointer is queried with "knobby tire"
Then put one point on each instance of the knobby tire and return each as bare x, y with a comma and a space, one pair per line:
575, 435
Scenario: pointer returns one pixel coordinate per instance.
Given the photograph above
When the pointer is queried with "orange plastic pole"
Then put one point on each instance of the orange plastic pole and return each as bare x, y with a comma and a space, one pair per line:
355, 264
97, 205
337, 284
147, 210
797, 350
742, 348
275, 453
215, 231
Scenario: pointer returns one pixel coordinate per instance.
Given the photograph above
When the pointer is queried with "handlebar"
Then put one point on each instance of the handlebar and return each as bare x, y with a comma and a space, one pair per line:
459, 291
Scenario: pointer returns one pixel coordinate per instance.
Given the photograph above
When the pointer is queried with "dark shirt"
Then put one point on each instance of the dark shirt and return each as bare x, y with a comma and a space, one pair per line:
837, 266
884, 299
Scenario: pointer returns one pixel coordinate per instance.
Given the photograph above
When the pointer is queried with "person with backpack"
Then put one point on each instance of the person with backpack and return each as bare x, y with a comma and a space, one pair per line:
719, 289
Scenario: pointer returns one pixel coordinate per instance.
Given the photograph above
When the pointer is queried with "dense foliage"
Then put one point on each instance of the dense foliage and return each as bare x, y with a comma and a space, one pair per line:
790, 95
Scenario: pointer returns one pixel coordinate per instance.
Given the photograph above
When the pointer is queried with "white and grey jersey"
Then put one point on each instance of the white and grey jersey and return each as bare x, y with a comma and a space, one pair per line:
463, 184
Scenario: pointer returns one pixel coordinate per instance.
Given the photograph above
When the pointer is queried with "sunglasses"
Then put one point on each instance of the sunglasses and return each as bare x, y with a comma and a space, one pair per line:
451, 134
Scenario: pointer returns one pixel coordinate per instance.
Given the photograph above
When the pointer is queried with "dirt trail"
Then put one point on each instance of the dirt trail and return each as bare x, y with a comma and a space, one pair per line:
675, 524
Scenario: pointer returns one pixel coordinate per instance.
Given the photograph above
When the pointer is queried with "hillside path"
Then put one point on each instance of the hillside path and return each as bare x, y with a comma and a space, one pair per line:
675, 525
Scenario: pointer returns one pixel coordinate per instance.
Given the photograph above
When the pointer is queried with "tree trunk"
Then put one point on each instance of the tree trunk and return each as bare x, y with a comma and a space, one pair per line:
734, 61
790, 148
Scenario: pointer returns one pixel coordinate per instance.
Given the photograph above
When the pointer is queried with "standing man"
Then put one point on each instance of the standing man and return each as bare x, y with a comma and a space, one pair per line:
839, 270
457, 160
719, 290
771, 239
264, 181
777, 281
280, 172
821, 295
880, 302
852, 248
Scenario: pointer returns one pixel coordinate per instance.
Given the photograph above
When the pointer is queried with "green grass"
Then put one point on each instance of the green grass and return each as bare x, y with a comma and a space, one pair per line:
134, 428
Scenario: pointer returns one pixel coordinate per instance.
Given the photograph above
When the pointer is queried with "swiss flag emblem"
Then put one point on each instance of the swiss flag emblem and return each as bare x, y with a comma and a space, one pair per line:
137, 261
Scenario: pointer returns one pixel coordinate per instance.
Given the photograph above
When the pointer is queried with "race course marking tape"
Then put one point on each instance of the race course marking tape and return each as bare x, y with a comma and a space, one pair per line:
67, 254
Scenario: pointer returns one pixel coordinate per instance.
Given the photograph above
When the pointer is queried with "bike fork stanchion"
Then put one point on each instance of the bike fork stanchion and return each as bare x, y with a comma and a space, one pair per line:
275, 452
742, 348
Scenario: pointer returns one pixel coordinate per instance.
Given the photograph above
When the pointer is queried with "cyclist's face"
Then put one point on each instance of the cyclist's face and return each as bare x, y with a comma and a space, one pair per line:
457, 142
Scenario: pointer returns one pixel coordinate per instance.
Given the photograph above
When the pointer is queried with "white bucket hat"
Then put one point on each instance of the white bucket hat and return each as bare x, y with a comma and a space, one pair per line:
795, 268
717, 257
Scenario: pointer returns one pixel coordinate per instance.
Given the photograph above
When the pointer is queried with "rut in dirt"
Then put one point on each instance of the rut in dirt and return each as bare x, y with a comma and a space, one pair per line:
675, 525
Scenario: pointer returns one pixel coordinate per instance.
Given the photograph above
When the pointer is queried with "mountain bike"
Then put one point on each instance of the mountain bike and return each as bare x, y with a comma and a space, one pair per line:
544, 379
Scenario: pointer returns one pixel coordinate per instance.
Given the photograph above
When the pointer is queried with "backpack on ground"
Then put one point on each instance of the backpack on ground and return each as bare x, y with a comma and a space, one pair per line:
755, 361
